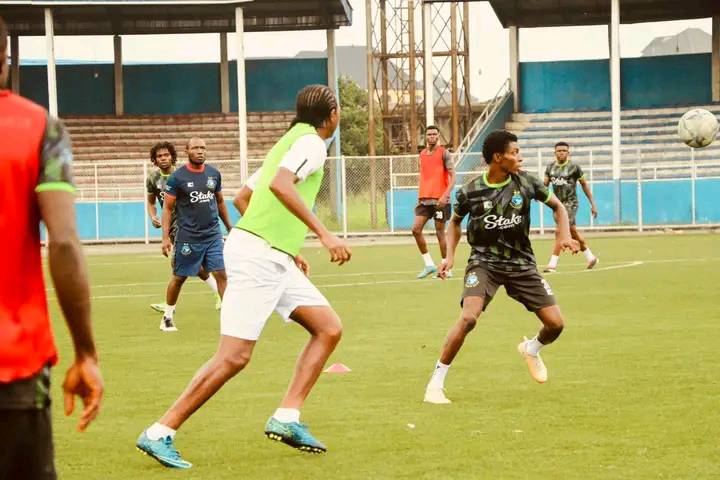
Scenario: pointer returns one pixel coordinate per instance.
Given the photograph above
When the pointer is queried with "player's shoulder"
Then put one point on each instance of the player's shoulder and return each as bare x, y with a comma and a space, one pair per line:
211, 169
310, 140
526, 179
474, 184
29, 107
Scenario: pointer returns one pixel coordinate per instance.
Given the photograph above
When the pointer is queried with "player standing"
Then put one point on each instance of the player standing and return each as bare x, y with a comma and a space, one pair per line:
164, 157
194, 193
563, 174
266, 273
36, 180
498, 203
437, 178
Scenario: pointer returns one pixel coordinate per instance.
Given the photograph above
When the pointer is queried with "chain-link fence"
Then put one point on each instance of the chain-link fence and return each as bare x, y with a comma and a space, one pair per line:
377, 195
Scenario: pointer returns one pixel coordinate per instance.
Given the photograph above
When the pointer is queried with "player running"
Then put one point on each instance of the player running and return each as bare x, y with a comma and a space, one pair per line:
563, 174
164, 156
266, 273
437, 178
194, 193
498, 203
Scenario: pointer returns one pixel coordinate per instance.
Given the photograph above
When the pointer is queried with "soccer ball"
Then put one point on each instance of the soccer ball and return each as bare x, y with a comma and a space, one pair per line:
697, 128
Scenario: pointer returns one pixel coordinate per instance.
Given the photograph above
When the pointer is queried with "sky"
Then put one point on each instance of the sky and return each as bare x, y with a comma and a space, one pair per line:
489, 52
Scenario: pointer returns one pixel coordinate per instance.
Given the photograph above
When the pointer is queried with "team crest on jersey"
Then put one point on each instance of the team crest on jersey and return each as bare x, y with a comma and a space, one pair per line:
472, 280
516, 201
185, 249
211, 183
487, 204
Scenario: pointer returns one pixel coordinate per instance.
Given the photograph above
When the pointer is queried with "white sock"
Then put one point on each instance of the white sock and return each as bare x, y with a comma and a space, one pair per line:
533, 346
588, 255
158, 431
287, 415
428, 260
212, 283
553, 261
169, 311
438, 377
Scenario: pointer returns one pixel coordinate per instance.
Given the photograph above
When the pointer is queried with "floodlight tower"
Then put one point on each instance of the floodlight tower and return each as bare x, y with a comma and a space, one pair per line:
418, 64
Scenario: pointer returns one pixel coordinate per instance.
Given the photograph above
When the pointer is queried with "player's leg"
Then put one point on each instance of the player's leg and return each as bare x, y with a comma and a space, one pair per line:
534, 292
213, 284
422, 215
157, 441
160, 307
167, 323
250, 297
214, 262
303, 303
440, 233
186, 263
480, 287
592, 260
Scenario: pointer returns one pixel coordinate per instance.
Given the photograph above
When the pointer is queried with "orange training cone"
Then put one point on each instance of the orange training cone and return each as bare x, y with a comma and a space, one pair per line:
337, 368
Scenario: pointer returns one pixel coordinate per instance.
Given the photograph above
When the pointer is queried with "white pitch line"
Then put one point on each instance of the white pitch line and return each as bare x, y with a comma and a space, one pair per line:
379, 282
606, 266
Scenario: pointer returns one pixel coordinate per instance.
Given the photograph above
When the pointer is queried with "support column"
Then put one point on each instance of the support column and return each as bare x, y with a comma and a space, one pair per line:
50, 51
412, 102
615, 102
716, 58
242, 106
514, 33
370, 80
335, 167
15, 63
455, 111
118, 73
224, 75
428, 72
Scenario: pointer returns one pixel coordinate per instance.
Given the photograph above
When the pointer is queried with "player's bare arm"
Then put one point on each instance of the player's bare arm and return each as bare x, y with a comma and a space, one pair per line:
152, 210
453, 235
69, 274
563, 239
589, 195
242, 199
445, 199
283, 187
223, 211
168, 207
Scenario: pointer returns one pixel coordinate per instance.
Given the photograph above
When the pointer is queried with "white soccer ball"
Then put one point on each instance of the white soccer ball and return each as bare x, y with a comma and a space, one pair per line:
698, 128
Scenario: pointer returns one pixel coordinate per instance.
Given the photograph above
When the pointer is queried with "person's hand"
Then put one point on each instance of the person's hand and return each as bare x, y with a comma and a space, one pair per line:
303, 265
83, 379
569, 244
443, 201
156, 222
593, 210
339, 251
445, 266
166, 246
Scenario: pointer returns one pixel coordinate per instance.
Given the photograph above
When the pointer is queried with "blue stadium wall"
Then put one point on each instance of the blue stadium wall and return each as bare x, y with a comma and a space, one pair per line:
166, 89
647, 82
665, 202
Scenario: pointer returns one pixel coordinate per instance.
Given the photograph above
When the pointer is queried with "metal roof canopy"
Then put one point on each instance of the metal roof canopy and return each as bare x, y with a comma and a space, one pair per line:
128, 17
563, 13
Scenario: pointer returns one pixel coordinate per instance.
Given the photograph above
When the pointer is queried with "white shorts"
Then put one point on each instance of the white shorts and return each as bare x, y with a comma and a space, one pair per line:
260, 279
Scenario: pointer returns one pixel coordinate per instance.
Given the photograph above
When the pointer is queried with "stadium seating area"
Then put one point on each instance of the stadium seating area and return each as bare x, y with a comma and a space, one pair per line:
653, 132
117, 139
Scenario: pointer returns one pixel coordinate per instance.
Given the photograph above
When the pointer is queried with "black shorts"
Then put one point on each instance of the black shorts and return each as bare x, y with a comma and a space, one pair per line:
432, 211
527, 287
572, 213
27, 447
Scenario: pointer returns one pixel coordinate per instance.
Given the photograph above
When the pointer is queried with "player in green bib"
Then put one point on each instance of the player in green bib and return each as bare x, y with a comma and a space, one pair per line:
266, 273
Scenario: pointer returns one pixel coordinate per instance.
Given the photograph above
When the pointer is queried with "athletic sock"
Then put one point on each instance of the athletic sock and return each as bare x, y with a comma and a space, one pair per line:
287, 415
212, 283
428, 260
588, 255
169, 311
438, 377
158, 431
553, 261
533, 346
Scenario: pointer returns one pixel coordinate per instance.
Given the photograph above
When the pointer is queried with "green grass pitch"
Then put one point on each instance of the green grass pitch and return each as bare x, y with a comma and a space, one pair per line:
633, 389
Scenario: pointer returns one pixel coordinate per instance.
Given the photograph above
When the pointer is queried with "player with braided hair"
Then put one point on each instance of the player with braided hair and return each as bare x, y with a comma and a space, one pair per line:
266, 272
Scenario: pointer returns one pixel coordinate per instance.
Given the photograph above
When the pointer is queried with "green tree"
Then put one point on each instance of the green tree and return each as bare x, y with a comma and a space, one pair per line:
354, 120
